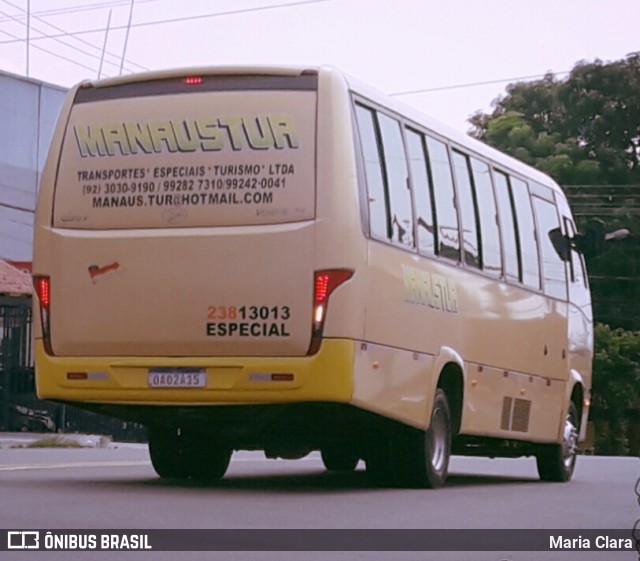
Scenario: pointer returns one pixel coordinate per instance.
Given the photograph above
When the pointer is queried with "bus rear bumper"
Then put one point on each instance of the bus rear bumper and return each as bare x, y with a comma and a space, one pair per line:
326, 376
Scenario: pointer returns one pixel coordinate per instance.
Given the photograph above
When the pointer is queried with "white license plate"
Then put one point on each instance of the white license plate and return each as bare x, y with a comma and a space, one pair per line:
177, 378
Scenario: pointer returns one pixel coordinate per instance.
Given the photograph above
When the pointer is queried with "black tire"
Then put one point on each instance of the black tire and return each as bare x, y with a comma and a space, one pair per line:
211, 465
556, 462
425, 462
339, 459
413, 458
176, 455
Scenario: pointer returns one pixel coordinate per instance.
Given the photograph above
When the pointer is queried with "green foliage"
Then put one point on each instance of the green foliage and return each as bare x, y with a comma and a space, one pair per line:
582, 130
616, 396
585, 130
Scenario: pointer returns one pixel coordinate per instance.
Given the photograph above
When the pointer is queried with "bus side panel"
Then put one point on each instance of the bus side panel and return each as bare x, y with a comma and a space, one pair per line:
394, 383
511, 405
417, 305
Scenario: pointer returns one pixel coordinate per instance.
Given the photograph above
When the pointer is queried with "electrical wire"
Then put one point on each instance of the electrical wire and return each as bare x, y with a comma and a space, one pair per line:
83, 8
174, 20
62, 42
473, 84
57, 55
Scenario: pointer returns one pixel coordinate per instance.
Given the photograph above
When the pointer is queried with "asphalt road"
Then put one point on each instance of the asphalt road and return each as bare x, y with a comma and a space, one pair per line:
117, 488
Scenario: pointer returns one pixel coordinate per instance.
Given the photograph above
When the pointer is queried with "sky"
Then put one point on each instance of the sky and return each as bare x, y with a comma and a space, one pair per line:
441, 48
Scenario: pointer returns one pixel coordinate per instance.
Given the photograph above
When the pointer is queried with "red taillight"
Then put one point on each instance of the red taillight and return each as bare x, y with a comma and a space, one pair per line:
42, 286
321, 288
325, 282
43, 290
193, 80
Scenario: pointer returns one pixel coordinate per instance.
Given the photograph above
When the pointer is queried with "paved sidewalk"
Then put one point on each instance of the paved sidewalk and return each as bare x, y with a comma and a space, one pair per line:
22, 439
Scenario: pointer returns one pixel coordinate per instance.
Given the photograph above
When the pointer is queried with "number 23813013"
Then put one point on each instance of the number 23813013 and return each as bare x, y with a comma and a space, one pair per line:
253, 313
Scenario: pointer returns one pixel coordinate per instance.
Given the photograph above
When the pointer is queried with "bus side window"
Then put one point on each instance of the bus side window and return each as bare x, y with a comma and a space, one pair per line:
397, 174
490, 248
467, 203
576, 265
423, 198
377, 198
526, 233
507, 227
554, 272
445, 202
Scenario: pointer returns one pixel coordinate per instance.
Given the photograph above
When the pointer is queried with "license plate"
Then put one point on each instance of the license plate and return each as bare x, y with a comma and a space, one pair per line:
177, 378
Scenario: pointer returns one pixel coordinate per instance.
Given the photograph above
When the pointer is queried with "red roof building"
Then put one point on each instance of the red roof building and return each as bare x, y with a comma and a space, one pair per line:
13, 281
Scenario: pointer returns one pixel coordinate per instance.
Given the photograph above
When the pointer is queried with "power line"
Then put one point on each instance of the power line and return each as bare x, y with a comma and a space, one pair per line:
473, 84
84, 8
61, 41
174, 20
56, 54
84, 42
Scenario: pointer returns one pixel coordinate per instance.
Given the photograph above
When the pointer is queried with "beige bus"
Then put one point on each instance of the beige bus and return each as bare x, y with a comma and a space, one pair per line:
284, 259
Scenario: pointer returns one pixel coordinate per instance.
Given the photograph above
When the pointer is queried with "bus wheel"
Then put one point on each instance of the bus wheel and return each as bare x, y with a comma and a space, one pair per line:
425, 459
339, 459
211, 465
166, 454
556, 462
176, 455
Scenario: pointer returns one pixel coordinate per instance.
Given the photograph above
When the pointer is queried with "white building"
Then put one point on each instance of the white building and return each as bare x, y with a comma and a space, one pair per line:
28, 112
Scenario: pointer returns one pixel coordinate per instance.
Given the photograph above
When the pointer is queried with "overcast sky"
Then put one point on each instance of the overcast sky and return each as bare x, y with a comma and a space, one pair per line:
395, 45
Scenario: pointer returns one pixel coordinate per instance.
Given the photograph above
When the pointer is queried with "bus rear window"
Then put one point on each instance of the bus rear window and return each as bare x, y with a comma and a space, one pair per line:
188, 159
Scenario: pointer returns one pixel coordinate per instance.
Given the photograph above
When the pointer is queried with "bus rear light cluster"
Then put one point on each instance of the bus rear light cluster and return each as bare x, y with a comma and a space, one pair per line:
42, 286
324, 283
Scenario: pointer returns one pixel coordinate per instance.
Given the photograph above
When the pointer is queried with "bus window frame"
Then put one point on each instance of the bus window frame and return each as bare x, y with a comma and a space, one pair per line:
552, 201
408, 128
474, 202
534, 188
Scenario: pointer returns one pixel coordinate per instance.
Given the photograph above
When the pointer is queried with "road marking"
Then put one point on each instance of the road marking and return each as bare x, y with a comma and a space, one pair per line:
74, 465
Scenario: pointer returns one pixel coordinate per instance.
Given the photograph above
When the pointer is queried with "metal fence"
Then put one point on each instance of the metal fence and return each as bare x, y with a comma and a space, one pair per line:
20, 408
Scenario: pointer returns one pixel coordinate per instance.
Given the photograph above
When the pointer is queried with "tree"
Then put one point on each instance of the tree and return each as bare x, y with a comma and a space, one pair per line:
584, 129
615, 398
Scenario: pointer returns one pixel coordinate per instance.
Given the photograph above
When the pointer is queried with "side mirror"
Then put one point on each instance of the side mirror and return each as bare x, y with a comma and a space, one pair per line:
561, 243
